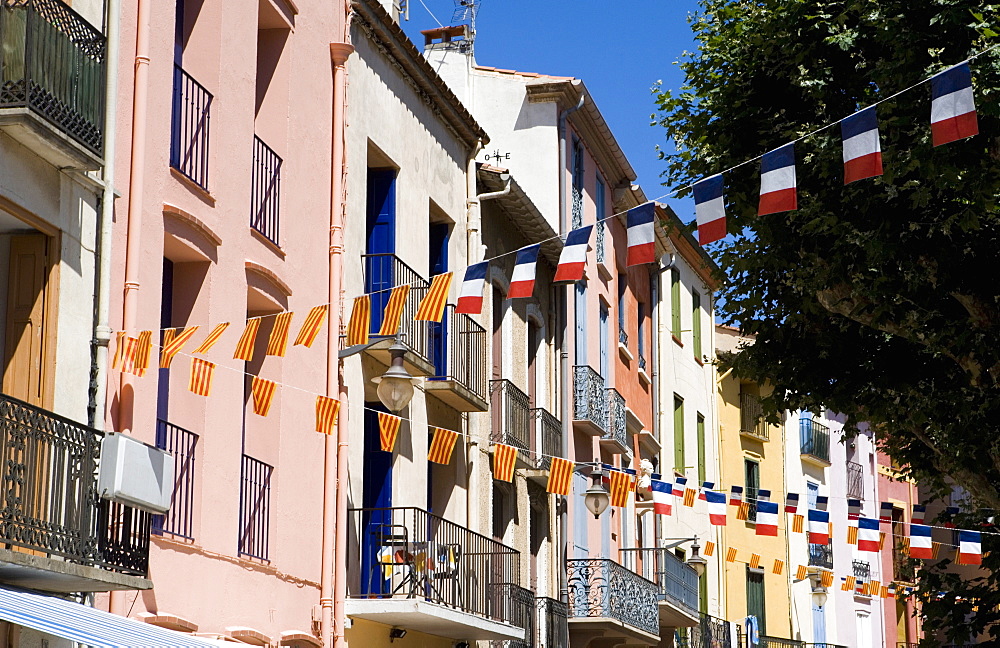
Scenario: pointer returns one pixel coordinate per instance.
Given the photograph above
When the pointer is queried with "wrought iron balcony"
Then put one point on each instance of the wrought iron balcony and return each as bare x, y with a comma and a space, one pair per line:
777, 642
53, 65
590, 399
521, 604
821, 555
511, 413
675, 581
265, 197
601, 246
602, 588
189, 128
752, 422
815, 438
551, 622
181, 443
548, 435
709, 633
383, 272
457, 348
616, 431
642, 362
401, 555
862, 569
50, 503
622, 337
855, 480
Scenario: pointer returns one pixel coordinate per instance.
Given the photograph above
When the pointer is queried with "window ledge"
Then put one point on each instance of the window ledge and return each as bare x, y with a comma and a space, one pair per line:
644, 377
622, 349
193, 186
676, 340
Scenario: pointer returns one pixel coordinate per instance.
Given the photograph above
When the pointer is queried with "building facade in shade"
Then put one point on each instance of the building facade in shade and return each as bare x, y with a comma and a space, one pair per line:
901, 625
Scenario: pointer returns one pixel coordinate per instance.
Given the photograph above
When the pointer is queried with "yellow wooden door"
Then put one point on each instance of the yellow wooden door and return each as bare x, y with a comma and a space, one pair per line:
23, 368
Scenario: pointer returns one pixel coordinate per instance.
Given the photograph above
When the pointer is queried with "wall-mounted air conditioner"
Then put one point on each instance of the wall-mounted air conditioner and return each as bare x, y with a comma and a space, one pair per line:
135, 474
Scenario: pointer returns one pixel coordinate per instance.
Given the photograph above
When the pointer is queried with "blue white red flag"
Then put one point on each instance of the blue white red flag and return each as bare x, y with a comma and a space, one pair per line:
868, 534
953, 108
853, 509
641, 234
716, 507
736, 495
791, 502
662, 492
970, 548
573, 258
705, 487
522, 281
920, 541
470, 297
822, 501
763, 495
919, 513
862, 149
885, 512
950, 512
710, 209
767, 518
819, 527
679, 484
777, 181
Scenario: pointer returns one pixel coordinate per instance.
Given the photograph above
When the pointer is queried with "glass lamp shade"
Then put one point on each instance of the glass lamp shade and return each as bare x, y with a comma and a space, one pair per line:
819, 596
697, 563
597, 500
395, 392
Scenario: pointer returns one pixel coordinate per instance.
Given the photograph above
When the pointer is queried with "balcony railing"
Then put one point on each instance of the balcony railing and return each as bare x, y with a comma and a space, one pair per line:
457, 345
601, 247
709, 633
255, 509
855, 480
642, 362
410, 553
48, 465
752, 417
599, 587
815, 438
821, 555
189, 128
823, 645
862, 569
590, 398
511, 411
777, 642
383, 272
616, 429
265, 197
551, 623
548, 435
674, 580
521, 612
181, 443
53, 63
622, 337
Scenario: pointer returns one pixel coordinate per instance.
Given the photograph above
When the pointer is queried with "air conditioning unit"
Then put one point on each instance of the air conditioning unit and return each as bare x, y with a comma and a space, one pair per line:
135, 474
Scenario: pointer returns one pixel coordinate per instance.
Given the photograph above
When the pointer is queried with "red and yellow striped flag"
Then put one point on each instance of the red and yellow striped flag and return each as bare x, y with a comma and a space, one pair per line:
504, 457
431, 307
312, 326
779, 566
244, 348
394, 310
731, 555
388, 430
754, 561
802, 572
689, 495
129, 355
935, 548
201, 376
143, 346
442, 446
173, 342
709, 548
360, 322
885, 592
881, 540
849, 584
119, 356
852, 535
826, 578
874, 587
743, 512
327, 410
560, 475
797, 523
212, 338
621, 483
278, 341
263, 395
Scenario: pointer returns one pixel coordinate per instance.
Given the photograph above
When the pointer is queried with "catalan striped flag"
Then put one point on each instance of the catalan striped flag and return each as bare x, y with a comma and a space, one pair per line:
504, 457
119, 356
560, 476
709, 549
173, 342
798, 522
850, 582
360, 322
621, 483
731, 555
312, 326
200, 381
743, 513
128, 356
388, 430
394, 310
244, 348
826, 578
779, 567
263, 395
754, 561
278, 342
431, 307
689, 496
212, 338
327, 410
140, 359
802, 573
442, 445
852, 535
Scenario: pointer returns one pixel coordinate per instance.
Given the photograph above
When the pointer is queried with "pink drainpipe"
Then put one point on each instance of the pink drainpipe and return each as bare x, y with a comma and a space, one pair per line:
137, 174
334, 563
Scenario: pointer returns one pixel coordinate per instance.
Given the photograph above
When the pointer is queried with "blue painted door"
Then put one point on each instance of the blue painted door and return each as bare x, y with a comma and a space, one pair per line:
604, 344
580, 517
380, 240
437, 256
376, 499
819, 625
580, 315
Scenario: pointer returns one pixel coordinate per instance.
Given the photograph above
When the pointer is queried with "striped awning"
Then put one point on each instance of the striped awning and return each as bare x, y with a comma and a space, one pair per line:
86, 625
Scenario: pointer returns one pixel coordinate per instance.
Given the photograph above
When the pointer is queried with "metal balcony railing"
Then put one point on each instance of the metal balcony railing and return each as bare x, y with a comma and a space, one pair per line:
548, 435
815, 438
255, 509
521, 612
622, 337
410, 553
511, 412
48, 465
862, 569
675, 581
551, 623
821, 555
601, 247
599, 587
265, 196
182, 444
855, 480
752, 417
462, 350
642, 362
709, 633
189, 128
383, 272
53, 62
823, 645
590, 398
616, 429
776, 642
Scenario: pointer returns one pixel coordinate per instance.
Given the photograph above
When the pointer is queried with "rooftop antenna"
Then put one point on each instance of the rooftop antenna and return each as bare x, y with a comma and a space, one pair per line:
465, 12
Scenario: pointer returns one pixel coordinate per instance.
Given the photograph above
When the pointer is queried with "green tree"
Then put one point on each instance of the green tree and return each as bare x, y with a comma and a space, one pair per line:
878, 299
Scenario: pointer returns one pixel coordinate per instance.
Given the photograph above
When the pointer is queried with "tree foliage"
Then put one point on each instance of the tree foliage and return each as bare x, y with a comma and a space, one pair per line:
878, 299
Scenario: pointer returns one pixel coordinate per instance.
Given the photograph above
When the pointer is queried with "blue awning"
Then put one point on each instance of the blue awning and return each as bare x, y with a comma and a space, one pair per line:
86, 625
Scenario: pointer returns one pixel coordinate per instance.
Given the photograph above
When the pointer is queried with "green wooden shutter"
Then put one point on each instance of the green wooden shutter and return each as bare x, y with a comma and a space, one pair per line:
675, 303
678, 434
750, 486
696, 324
755, 597
701, 449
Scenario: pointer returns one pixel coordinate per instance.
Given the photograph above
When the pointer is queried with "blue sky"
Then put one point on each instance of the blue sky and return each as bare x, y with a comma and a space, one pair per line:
619, 50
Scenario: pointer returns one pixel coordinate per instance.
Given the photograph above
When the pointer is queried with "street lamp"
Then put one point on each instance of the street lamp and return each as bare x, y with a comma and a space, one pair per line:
819, 591
395, 386
697, 562
596, 498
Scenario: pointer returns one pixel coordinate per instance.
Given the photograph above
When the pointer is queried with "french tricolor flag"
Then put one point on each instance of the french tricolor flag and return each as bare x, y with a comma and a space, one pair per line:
716, 507
777, 181
679, 484
573, 258
470, 298
736, 495
885, 512
522, 282
853, 509
819, 527
953, 109
920, 541
705, 487
862, 150
868, 534
641, 234
791, 502
710, 210
970, 548
919, 513
767, 518
661, 496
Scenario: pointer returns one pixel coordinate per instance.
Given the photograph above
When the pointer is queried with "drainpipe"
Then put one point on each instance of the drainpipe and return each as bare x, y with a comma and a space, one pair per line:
567, 377
333, 577
473, 251
137, 174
